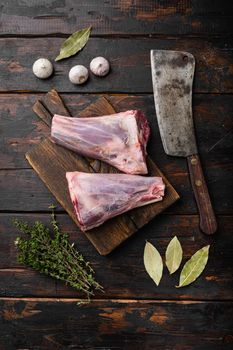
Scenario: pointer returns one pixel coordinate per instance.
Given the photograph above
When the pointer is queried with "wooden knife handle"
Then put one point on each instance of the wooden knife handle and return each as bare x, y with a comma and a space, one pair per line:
208, 223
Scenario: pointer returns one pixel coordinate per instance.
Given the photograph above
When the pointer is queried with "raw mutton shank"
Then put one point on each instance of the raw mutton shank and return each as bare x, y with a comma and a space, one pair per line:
99, 197
119, 139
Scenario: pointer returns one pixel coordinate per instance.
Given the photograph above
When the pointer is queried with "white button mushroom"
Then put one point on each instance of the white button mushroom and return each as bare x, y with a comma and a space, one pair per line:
99, 66
42, 68
78, 74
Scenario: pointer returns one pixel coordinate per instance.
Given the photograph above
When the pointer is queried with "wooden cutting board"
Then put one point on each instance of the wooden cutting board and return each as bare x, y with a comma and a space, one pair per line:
51, 162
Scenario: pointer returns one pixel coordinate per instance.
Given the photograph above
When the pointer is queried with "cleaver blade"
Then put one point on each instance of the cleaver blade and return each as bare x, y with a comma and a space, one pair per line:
172, 78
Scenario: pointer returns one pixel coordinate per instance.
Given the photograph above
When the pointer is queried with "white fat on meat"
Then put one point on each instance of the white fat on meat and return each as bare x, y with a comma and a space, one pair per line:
119, 139
99, 197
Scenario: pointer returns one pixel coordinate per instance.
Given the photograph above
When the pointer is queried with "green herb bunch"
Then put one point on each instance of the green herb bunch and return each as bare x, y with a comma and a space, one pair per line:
55, 256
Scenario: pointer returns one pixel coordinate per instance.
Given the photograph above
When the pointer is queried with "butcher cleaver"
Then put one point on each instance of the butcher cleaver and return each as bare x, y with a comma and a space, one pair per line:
172, 77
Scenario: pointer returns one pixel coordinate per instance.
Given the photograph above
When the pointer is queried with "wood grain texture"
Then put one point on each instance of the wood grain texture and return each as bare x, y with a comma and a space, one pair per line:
115, 325
122, 17
22, 130
51, 162
208, 223
127, 30
129, 59
32, 195
122, 273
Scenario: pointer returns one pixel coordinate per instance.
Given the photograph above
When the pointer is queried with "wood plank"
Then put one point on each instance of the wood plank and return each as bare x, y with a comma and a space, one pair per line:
122, 273
117, 17
115, 325
51, 162
32, 195
22, 129
129, 59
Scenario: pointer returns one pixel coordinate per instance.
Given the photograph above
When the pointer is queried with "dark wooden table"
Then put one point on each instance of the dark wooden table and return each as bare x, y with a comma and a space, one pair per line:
38, 313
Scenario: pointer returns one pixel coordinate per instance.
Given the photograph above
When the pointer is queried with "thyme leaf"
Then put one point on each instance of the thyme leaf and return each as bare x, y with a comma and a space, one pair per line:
52, 254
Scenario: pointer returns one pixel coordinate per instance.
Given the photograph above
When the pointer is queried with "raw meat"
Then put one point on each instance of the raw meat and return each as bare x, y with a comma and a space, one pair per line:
119, 139
99, 197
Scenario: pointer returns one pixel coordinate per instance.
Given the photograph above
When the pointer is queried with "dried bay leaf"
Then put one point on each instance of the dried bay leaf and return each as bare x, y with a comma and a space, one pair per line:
174, 255
74, 43
194, 267
153, 263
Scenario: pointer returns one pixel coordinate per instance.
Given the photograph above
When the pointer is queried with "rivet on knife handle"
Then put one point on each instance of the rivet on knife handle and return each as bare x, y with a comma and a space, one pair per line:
208, 222
172, 78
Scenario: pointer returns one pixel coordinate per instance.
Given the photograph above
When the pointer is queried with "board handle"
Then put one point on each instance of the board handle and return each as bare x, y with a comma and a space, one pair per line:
208, 223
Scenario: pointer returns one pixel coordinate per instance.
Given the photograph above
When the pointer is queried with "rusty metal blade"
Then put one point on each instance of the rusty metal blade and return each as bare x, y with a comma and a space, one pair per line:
172, 77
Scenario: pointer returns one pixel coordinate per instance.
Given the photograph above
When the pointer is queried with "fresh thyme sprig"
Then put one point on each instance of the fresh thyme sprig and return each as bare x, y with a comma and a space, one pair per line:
55, 256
